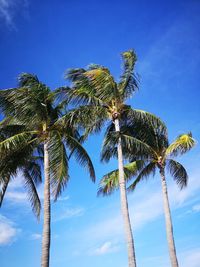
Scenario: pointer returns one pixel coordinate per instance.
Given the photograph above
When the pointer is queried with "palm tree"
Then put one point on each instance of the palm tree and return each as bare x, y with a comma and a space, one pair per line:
24, 161
37, 108
158, 154
101, 98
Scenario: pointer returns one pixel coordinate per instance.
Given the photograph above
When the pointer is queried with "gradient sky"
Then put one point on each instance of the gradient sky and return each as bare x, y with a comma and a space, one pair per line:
48, 37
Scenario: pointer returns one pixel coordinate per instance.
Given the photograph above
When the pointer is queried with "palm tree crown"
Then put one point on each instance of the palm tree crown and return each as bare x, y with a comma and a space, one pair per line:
156, 153
38, 110
23, 161
101, 98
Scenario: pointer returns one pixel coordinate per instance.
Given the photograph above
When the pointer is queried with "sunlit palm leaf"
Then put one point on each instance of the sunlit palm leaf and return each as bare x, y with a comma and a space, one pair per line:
110, 182
181, 145
16, 142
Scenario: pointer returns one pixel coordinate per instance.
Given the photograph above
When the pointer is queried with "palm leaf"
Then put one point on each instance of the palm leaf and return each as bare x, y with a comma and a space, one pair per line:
181, 145
16, 142
178, 172
129, 81
32, 192
4, 181
58, 164
80, 154
136, 115
150, 168
110, 182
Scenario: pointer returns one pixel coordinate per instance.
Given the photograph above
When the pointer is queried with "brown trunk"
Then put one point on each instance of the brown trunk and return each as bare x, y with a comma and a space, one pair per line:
46, 238
168, 221
124, 202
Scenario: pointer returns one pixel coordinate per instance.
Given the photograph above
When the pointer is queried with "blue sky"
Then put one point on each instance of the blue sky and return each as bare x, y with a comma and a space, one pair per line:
48, 37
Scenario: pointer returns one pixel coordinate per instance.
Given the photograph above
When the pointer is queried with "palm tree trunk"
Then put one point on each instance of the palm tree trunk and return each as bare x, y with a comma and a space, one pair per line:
124, 202
168, 221
46, 238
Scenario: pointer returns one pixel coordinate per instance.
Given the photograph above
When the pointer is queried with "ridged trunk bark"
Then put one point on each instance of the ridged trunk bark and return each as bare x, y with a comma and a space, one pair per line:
168, 221
124, 202
46, 237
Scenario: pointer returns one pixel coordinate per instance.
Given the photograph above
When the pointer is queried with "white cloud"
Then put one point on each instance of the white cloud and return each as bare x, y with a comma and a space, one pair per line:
186, 258
196, 208
16, 196
16, 183
191, 258
107, 247
145, 206
63, 198
68, 213
8, 232
179, 198
10, 8
35, 236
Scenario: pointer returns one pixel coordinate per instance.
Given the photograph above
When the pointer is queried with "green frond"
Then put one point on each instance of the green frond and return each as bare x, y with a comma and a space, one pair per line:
16, 142
81, 155
145, 117
28, 79
4, 181
110, 182
74, 74
130, 146
144, 174
178, 172
93, 86
136, 147
58, 164
33, 166
181, 145
129, 81
32, 192
85, 118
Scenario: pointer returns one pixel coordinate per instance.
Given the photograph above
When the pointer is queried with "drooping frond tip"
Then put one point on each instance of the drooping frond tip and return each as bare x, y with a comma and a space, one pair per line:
181, 145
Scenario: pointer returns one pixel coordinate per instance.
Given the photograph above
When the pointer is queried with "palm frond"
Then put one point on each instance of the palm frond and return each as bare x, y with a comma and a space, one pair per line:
150, 168
32, 192
147, 118
81, 155
58, 164
85, 118
16, 142
129, 81
4, 181
110, 182
181, 145
92, 86
178, 172
131, 147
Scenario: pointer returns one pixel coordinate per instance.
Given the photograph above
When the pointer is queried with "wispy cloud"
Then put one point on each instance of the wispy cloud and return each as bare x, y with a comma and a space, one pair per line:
35, 236
187, 258
9, 10
191, 258
105, 248
142, 209
68, 213
8, 231
196, 208
16, 197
